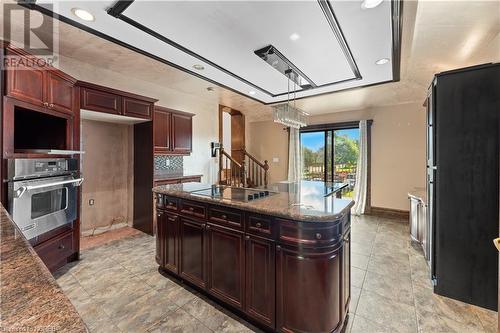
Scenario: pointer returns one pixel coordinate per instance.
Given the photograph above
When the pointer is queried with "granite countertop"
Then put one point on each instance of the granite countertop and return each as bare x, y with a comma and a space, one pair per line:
31, 300
165, 175
304, 201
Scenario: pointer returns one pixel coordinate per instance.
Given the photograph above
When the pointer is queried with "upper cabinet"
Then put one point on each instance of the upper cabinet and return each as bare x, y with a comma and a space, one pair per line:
46, 87
173, 131
103, 99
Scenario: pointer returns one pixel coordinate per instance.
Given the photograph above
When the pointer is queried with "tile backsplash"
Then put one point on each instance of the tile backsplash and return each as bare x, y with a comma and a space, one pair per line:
169, 163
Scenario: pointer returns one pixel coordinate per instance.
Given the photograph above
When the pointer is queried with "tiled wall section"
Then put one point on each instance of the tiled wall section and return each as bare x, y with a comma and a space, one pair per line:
169, 163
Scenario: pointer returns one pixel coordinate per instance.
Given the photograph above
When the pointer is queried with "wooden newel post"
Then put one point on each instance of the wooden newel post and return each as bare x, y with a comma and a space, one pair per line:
266, 167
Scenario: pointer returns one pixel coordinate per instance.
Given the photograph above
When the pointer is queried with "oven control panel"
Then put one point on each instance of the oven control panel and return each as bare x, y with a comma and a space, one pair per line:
52, 166
43, 167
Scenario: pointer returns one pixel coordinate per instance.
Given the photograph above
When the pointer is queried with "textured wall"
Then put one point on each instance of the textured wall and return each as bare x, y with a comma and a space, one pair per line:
107, 167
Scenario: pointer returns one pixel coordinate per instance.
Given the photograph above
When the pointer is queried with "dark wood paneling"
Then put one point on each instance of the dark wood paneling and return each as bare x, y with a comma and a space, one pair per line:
238, 137
260, 280
308, 283
226, 265
143, 177
390, 213
101, 101
346, 272
136, 108
167, 241
192, 251
26, 84
182, 133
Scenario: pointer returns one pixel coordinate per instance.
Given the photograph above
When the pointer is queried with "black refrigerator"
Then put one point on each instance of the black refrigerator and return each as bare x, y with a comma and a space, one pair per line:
463, 112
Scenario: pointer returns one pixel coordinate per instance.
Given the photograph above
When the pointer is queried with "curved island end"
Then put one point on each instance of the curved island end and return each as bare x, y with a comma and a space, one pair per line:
281, 261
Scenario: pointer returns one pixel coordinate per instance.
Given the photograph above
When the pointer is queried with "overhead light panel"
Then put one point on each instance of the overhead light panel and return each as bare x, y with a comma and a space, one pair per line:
294, 36
198, 67
279, 62
369, 4
83, 14
251, 92
382, 61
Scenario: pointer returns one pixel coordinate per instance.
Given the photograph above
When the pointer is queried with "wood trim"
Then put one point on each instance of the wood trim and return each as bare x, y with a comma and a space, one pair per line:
334, 126
390, 213
115, 91
165, 109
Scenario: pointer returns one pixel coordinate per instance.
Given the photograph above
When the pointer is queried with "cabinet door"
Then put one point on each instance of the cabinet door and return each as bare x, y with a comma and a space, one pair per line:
181, 133
59, 92
100, 101
346, 269
192, 251
25, 84
226, 265
136, 108
162, 122
260, 280
307, 283
171, 242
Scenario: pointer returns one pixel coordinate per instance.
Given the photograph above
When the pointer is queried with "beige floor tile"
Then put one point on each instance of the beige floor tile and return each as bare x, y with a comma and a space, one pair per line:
180, 321
360, 261
363, 325
177, 294
360, 247
488, 318
389, 266
357, 277
385, 312
206, 312
395, 287
430, 322
355, 293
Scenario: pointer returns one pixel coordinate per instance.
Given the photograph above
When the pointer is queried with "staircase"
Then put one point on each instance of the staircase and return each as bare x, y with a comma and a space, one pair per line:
249, 173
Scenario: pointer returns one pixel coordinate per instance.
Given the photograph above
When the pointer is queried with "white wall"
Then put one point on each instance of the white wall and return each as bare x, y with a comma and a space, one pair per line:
398, 149
205, 123
226, 131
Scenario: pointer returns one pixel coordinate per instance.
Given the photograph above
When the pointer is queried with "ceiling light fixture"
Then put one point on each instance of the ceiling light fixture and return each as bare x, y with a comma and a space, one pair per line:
382, 61
210, 89
369, 4
294, 36
288, 114
251, 92
83, 14
198, 67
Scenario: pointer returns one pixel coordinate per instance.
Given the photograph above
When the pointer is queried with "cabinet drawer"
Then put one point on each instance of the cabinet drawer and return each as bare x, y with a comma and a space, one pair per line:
301, 233
260, 225
192, 208
225, 217
165, 202
55, 251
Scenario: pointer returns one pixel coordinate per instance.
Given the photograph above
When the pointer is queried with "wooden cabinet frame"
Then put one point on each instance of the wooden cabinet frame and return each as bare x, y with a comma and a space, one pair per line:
172, 131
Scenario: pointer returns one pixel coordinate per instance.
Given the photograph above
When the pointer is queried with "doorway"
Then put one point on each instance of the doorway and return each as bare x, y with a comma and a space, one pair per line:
232, 132
331, 155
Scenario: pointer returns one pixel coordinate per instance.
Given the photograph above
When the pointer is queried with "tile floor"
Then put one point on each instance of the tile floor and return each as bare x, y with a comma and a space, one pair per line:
116, 287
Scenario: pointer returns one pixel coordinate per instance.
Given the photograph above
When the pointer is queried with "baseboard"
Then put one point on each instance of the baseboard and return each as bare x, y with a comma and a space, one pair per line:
390, 213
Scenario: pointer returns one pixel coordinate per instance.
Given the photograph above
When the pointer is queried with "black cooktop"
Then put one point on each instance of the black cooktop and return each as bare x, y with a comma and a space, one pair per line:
233, 193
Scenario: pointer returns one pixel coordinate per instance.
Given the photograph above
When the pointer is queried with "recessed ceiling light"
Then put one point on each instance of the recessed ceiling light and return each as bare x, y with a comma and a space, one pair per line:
82, 14
251, 92
369, 4
294, 36
382, 61
198, 67
210, 88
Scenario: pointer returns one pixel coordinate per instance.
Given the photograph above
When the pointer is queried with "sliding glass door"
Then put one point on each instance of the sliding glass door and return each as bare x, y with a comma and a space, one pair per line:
331, 155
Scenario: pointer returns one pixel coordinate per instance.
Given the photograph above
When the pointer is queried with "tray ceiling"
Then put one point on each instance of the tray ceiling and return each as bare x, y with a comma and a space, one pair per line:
337, 46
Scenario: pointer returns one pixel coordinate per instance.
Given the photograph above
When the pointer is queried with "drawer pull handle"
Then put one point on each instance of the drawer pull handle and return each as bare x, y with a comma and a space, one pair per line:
208, 227
61, 247
45, 104
224, 217
51, 105
258, 225
191, 209
170, 204
278, 248
318, 236
247, 237
171, 219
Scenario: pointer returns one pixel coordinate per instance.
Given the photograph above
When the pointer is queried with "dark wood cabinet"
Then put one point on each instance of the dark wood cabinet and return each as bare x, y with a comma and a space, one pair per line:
60, 92
162, 125
172, 131
308, 281
283, 275
192, 251
100, 101
182, 133
226, 265
98, 98
260, 280
42, 86
55, 252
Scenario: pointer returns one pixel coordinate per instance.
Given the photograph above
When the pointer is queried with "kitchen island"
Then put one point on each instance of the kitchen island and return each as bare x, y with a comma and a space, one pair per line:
279, 257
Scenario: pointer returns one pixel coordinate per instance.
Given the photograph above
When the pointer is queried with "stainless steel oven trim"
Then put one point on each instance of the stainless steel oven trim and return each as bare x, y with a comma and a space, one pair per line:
23, 189
57, 211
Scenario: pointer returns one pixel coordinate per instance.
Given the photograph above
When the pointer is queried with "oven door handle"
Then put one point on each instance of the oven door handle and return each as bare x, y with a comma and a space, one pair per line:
23, 189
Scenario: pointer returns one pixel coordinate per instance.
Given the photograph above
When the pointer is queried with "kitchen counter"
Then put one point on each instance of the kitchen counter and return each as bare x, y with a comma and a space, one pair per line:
31, 300
158, 176
304, 201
